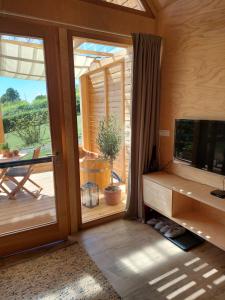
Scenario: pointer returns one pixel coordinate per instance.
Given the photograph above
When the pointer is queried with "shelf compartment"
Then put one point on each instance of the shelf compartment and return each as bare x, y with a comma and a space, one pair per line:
201, 219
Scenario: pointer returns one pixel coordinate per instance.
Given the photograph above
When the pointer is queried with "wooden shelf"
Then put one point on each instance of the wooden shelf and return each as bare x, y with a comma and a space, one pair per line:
204, 226
192, 189
188, 203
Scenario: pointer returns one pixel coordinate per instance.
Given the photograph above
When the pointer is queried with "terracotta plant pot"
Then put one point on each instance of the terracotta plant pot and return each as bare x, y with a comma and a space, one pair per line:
15, 152
9, 154
6, 153
112, 195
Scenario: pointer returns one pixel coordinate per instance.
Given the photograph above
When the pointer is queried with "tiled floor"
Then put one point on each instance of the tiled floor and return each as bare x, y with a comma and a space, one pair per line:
141, 264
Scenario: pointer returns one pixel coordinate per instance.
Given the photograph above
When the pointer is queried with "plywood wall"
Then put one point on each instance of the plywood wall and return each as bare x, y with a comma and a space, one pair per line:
193, 70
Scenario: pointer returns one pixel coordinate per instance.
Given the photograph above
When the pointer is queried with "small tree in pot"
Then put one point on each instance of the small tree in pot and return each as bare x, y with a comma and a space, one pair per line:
109, 142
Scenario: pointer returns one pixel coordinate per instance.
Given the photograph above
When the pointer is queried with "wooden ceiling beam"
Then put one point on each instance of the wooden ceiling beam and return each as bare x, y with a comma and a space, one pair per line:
153, 6
32, 61
20, 43
125, 46
91, 52
22, 74
22, 59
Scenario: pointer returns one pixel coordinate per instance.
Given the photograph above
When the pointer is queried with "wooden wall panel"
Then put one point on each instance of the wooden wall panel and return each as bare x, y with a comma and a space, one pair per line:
193, 69
160, 4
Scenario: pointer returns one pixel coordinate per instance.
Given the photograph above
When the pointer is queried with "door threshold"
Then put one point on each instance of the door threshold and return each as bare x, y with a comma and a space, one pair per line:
102, 220
22, 256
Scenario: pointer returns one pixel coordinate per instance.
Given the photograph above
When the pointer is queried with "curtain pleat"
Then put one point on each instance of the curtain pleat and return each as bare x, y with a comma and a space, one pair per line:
144, 117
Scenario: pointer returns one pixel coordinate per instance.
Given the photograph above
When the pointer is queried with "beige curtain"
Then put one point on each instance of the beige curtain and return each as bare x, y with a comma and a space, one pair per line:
145, 117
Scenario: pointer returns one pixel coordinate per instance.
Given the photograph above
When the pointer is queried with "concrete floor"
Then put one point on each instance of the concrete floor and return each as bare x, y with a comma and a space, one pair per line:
141, 264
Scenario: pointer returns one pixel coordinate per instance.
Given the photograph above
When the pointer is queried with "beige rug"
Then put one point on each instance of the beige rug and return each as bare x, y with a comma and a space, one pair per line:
68, 273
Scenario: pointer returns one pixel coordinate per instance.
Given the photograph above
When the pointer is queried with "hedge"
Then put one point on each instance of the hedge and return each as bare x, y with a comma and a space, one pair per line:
25, 118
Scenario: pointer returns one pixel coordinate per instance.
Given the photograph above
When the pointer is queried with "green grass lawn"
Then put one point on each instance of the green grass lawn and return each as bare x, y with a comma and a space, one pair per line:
15, 142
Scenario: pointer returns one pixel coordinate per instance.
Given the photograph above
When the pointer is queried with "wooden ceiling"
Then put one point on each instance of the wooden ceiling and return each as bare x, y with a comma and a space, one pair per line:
157, 5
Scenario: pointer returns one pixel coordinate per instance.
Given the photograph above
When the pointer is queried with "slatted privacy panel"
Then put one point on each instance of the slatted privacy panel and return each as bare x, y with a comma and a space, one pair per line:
128, 102
115, 99
102, 95
96, 106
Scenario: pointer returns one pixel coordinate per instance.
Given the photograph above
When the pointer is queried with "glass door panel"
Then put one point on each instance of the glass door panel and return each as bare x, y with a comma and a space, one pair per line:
103, 92
28, 190
30, 138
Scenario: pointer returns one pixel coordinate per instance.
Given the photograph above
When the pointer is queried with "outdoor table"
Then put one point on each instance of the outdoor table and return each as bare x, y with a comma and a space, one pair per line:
4, 170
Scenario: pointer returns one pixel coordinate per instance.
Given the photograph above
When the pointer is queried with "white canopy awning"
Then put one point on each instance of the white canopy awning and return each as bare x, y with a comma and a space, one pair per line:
25, 59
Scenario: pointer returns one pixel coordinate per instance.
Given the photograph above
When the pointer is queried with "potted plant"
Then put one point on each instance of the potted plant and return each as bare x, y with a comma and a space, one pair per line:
5, 150
109, 142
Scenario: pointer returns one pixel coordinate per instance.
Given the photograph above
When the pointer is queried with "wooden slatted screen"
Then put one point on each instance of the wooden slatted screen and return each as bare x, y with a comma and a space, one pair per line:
115, 83
102, 93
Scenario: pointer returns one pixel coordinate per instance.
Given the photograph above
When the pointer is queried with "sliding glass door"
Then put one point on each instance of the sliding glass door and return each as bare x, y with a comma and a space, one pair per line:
102, 75
32, 172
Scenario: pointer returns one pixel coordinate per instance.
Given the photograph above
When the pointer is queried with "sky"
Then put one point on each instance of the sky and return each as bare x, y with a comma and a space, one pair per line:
28, 89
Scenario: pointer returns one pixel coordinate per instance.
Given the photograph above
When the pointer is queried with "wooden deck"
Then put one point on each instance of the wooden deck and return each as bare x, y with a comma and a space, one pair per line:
26, 212
103, 210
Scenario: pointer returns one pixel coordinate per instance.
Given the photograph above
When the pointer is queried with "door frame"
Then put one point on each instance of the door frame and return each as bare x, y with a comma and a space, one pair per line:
43, 234
104, 37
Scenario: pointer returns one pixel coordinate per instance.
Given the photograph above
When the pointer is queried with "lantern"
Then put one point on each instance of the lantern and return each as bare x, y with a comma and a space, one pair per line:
90, 194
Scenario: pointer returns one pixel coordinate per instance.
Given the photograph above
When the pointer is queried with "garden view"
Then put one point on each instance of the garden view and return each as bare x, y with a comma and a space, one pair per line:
26, 123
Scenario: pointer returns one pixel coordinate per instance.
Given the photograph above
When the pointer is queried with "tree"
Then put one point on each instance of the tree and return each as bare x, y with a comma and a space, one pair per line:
40, 101
109, 140
40, 97
11, 95
29, 126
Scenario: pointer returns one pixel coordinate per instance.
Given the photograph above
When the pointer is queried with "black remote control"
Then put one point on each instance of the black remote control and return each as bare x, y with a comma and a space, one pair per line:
218, 193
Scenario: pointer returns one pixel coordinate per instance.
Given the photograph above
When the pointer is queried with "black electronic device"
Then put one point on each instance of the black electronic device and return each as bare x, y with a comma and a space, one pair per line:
201, 144
218, 193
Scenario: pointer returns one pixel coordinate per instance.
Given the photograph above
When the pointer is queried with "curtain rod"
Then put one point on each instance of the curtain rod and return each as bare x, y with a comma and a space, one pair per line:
68, 24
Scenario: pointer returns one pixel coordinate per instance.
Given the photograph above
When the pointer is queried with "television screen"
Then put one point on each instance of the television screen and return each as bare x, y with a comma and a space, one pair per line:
201, 143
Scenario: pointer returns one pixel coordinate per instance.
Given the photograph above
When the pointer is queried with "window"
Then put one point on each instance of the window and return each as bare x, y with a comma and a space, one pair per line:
134, 4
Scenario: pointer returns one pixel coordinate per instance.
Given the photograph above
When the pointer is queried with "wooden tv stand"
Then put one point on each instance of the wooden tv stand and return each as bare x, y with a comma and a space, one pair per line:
188, 203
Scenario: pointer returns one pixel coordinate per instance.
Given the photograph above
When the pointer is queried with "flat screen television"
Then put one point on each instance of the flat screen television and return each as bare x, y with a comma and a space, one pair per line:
201, 143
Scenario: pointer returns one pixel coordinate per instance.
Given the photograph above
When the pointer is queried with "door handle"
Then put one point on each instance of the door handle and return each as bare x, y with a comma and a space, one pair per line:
56, 157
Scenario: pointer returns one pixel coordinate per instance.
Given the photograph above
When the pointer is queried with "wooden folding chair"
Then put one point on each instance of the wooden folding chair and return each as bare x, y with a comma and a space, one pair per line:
2, 176
24, 172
